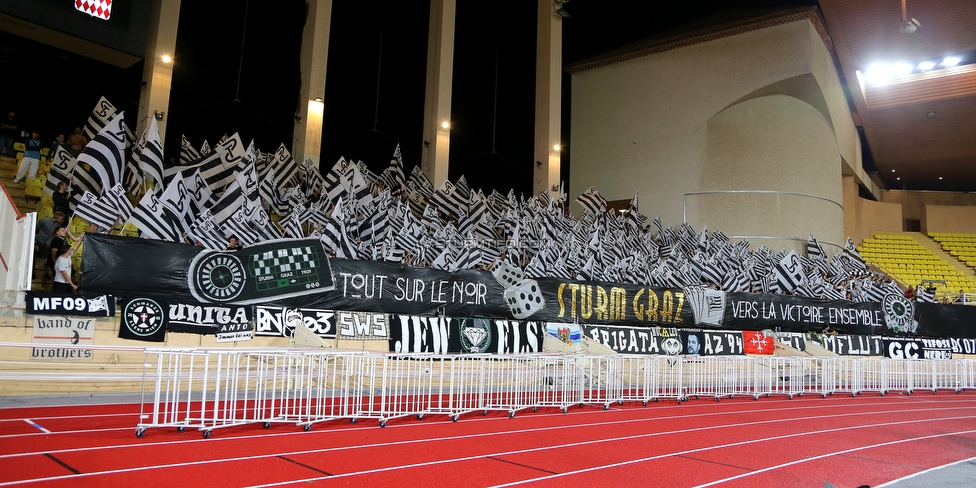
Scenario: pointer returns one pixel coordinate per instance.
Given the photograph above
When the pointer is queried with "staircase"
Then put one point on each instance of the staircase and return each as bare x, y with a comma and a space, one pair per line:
8, 170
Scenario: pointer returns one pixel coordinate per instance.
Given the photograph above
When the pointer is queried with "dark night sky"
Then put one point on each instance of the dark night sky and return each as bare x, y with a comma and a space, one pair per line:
239, 71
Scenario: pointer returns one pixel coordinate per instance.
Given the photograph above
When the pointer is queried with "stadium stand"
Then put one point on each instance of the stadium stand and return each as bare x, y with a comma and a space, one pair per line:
905, 259
962, 246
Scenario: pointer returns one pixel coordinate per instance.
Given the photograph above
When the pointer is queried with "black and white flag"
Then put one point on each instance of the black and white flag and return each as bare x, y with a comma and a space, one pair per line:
151, 155
97, 211
62, 165
789, 272
105, 153
592, 201
152, 221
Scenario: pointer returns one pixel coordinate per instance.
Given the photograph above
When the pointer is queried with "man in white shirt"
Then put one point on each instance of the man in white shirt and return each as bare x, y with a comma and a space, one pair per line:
62, 270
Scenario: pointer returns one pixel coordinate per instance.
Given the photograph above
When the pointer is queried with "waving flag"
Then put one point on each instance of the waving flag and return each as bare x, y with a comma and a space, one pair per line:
592, 201
105, 153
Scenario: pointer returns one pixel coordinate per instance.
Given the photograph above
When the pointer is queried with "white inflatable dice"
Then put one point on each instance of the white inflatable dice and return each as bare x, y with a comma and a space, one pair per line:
507, 275
524, 299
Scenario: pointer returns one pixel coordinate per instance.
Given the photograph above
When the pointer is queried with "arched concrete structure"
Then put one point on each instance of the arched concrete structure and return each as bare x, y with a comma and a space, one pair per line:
754, 104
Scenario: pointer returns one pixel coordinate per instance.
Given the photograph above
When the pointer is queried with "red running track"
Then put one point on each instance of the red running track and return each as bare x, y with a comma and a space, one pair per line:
805, 441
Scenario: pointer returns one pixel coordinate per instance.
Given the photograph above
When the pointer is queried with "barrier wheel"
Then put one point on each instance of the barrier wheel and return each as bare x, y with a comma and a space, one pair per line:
564, 409
768, 395
791, 396
420, 416
535, 409
383, 423
645, 403
718, 399
606, 406
206, 434
933, 391
823, 396
140, 433
352, 420
958, 390
181, 429
267, 425
620, 402
307, 427
800, 394
511, 415
454, 418
831, 393
484, 412
755, 397
655, 400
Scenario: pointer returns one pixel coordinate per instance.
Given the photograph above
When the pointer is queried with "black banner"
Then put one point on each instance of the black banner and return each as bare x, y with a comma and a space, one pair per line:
637, 340
963, 346
273, 269
204, 318
853, 345
159, 269
39, 303
900, 348
464, 335
143, 319
712, 343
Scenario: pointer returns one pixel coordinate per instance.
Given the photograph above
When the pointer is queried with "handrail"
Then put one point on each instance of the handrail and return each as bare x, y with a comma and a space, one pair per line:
684, 198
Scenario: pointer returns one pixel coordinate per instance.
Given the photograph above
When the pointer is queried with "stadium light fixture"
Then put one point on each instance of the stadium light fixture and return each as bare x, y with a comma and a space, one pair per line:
166, 58
950, 61
445, 125
925, 65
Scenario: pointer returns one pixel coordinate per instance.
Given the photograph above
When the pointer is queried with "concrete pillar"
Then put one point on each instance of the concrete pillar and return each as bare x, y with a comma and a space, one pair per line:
548, 97
157, 75
437, 99
315, 57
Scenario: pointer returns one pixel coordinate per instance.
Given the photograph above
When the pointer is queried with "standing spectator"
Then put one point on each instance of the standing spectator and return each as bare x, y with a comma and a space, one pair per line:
8, 133
58, 142
44, 232
62, 199
32, 157
61, 236
62, 270
77, 142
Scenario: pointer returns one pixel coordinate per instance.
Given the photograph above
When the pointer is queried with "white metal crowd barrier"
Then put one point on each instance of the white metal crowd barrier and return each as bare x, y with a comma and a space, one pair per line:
210, 389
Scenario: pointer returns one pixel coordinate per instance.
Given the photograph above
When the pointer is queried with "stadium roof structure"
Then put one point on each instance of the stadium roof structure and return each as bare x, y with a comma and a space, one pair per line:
920, 123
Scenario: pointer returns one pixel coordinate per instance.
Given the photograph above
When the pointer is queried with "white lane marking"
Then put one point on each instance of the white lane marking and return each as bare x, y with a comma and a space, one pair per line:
37, 426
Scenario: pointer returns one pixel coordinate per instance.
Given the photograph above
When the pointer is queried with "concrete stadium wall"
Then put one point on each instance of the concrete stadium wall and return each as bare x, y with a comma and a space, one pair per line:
944, 218
761, 110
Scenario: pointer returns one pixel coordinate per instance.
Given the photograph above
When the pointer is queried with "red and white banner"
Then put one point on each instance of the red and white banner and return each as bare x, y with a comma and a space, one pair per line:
96, 8
757, 342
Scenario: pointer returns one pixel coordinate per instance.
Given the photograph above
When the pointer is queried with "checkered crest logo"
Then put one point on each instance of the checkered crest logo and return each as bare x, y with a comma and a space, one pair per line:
96, 8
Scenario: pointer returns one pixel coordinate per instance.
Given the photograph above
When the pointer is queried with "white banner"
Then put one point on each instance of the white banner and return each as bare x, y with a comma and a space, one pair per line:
62, 331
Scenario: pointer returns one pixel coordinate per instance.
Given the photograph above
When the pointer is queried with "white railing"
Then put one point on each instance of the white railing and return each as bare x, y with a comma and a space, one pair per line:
210, 389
